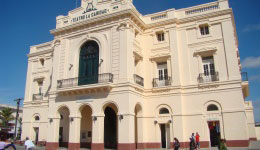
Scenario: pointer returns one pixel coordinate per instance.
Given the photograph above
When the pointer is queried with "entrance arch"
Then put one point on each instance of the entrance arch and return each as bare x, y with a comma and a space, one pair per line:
86, 127
88, 63
110, 126
64, 126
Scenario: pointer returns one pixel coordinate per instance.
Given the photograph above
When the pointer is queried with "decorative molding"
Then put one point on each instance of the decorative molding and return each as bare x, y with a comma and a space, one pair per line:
205, 50
160, 55
40, 53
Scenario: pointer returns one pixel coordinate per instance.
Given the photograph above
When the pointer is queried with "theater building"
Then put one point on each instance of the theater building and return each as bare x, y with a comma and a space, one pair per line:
116, 79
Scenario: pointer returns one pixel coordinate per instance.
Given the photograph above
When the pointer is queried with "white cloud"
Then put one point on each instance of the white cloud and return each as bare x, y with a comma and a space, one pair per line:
251, 62
254, 27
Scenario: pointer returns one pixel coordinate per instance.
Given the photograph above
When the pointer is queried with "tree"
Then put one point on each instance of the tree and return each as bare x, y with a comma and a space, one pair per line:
6, 116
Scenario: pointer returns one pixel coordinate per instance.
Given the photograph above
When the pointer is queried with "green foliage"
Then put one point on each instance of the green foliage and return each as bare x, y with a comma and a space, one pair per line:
6, 116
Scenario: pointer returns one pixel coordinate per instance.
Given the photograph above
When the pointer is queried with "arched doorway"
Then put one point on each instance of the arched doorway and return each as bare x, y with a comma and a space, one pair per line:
110, 127
214, 122
86, 127
88, 63
64, 126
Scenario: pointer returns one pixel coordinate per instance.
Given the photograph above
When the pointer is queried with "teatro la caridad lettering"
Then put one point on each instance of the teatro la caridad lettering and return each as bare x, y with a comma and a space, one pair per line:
113, 78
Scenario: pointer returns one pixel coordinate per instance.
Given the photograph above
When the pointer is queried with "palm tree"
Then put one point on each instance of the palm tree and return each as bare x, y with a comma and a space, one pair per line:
6, 116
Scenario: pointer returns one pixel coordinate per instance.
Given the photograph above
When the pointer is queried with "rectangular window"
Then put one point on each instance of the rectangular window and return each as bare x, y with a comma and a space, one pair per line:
160, 37
162, 71
204, 30
208, 66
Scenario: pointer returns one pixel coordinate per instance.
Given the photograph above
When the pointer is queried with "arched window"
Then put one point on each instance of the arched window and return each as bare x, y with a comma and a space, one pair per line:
36, 118
164, 111
212, 108
88, 63
61, 117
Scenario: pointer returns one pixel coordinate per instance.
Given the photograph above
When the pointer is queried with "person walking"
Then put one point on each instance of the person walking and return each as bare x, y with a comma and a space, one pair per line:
176, 144
192, 142
197, 137
29, 144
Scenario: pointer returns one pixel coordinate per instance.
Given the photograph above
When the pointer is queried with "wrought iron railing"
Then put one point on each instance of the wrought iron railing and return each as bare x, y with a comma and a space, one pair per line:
244, 76
72, 82
162, 81
37, 96
139, 80
211, 77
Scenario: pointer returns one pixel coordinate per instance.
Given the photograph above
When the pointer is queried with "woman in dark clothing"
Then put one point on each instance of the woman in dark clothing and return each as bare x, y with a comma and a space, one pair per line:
176, 144
192, 144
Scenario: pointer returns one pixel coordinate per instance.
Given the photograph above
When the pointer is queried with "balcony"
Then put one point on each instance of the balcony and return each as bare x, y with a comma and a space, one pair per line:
138, 80
72, 82
245, 87
162, 81
85, 84
37, 97
211, 77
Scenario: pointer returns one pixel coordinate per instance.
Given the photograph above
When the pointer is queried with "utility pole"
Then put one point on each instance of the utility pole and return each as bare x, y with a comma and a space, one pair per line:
17, 115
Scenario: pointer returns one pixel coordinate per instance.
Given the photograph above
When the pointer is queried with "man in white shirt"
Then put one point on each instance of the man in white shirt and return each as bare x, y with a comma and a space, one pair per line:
29, 144
2, 144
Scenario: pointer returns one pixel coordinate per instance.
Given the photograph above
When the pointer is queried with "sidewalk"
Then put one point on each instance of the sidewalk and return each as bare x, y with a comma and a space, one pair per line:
253, 146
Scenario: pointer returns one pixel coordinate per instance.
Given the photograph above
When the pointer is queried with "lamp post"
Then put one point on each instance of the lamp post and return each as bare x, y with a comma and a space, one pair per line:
17, 114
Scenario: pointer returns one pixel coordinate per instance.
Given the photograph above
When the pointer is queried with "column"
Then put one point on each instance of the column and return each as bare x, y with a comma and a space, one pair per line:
126, 132
97, 132
53, 134
74, 133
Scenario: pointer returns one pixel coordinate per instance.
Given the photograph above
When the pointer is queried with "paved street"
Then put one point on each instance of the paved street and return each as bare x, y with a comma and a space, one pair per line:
253, 146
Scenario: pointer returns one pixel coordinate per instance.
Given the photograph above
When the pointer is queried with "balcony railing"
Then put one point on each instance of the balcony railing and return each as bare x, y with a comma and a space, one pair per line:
244, 76
211, 77
203, 9
139, 80
162, 82
72, 82
37, 96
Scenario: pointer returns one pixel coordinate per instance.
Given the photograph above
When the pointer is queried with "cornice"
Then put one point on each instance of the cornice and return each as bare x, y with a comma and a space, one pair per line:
39, 53
100, 18
136, 17
203, 16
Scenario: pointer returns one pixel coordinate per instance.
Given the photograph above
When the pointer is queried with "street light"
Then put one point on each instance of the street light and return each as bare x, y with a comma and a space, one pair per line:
17, 114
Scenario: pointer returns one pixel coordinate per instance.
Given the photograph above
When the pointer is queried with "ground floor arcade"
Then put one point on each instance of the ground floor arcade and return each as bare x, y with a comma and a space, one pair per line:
128, 123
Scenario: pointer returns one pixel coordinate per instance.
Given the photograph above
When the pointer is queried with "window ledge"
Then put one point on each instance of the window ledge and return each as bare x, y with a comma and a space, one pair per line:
204, 36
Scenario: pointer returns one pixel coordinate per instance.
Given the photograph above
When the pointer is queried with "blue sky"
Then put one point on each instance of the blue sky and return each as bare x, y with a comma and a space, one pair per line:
27, 22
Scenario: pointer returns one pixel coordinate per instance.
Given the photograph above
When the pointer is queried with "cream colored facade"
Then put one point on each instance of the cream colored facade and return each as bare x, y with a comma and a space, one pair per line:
153, 78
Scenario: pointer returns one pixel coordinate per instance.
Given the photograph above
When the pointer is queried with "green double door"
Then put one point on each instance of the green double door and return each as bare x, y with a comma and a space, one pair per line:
88, 63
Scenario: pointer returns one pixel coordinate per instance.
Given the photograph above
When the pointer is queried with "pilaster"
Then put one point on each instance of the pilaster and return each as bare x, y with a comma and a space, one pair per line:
53, 134
97, 132
126, 35
56, 47
174, 50
126, 130
74, 135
